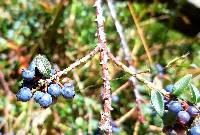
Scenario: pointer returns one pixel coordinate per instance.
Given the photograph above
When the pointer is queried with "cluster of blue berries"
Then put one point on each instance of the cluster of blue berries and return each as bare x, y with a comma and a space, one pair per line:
179, 115
46, 94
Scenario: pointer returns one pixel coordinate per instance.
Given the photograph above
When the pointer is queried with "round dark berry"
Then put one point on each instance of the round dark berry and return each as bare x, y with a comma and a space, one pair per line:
68, 91
24, 94
175, 106
37, 95
193, 111
115, 98
195, 130
45, 100
169, 88
183, 117
54, 90
169, 131
160, 68
115, 128
28, 74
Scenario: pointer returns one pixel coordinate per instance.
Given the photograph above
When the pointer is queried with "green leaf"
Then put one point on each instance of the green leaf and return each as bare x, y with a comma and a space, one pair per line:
157, 101
181, 84
195, 93
43, 65
186, 94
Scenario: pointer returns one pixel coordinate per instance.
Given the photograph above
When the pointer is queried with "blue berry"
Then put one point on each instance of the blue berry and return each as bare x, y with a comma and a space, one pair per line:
116, 129
169, 88
37, 95
193, 111
24, 94
183, 117
175, 106
68, 91
160, 68
195, 130
32, 66
46, 100
28, 74
115, 98
54, 90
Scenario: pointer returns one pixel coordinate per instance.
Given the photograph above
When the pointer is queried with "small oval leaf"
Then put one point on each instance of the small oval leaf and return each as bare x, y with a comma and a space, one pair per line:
157, 102
43, 65
195, 93
181, 84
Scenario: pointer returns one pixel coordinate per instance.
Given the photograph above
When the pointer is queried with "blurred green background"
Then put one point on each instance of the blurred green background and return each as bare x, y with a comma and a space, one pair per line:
65, 31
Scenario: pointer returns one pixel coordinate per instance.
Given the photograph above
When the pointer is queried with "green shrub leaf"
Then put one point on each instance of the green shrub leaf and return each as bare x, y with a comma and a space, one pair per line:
43, 65
157, 101
195, 93
186, 94
181, 84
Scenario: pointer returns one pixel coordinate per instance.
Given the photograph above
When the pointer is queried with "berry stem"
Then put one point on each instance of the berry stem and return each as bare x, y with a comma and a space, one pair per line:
125, 116
73, 65
105, 122
137, 76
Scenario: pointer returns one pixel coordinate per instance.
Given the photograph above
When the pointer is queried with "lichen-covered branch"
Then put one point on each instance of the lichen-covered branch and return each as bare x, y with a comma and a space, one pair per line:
105, 122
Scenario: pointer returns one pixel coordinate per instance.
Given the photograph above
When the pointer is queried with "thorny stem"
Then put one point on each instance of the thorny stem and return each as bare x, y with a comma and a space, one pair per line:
125, 117
105, 54
105, 122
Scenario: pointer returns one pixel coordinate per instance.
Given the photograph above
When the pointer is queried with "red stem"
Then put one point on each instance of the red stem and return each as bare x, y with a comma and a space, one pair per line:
105, 122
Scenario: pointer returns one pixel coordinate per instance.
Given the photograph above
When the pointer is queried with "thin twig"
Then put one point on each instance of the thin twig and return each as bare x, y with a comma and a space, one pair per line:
120, 32
117, 91
176, 59
126, 116
127, 54
136, 128
105, 122
155, 128
4, 83
140, 32
137, 76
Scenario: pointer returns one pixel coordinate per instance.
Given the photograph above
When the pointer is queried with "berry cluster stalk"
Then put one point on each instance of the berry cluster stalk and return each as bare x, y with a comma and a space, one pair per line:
105, 122
78, 62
